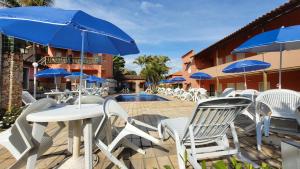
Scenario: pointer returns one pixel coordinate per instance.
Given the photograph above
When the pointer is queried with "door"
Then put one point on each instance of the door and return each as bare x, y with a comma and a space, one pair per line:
211, 89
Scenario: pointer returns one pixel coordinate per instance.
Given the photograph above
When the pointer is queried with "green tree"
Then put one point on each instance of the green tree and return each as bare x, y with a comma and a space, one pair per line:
153, 67
129, 72
17, 3
118, 67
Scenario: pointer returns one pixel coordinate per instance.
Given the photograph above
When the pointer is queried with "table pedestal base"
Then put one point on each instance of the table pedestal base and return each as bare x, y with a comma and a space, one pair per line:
78, 163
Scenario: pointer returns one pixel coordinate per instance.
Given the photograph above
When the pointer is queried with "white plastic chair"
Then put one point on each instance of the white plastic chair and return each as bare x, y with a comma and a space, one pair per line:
112, 109
228, 92
17, 139
208, 124
27, 98
276, 110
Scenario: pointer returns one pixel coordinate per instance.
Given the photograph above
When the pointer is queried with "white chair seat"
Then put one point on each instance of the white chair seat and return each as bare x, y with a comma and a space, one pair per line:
172, 125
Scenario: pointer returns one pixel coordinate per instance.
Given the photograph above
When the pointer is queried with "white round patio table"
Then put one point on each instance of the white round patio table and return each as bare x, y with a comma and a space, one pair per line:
70, 113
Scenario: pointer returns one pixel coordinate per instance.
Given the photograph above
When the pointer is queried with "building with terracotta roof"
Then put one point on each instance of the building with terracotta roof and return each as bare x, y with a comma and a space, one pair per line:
214, 58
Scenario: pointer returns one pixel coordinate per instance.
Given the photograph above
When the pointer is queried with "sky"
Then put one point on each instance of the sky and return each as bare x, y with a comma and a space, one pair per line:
173, 27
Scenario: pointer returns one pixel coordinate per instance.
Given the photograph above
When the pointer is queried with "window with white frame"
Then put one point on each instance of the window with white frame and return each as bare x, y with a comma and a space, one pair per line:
228, 58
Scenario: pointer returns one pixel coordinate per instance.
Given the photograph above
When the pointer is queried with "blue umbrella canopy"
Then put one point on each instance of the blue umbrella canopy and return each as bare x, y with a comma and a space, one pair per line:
284, 38
177, 79
68, 29
200, 76
246, 66
95, 79
63, 29
52, 73
76, 75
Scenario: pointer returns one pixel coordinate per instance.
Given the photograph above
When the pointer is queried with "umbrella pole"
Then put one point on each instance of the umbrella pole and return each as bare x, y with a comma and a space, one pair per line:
81, 66
245, 80
55, 83
280, 67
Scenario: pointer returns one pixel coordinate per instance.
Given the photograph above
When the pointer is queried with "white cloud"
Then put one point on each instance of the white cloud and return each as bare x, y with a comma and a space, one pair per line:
148, 7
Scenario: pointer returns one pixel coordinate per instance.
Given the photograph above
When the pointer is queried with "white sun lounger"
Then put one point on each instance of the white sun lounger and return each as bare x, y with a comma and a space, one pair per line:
207, 126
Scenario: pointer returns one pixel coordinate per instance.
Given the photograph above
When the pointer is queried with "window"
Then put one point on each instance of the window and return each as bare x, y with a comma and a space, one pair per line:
240, 86
229, 58
261, 86
240, 56
230, 85
58, 53
220, 61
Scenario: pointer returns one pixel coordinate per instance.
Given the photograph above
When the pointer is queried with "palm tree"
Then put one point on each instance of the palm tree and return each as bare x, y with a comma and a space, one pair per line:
153, 67
17, 3
118, 67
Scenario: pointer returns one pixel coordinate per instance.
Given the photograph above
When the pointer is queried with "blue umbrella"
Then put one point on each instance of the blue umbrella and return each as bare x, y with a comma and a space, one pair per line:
69, 29
200, 76
76, 75
52, 73
94, 79
284, 38
246, 66
178, 79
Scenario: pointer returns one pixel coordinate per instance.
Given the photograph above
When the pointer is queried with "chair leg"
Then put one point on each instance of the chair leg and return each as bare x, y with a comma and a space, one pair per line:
144, 124
109, 155
128, 130
128, 144
37, 135
267, 121
180, 153
259, 136
258, 131
246, 160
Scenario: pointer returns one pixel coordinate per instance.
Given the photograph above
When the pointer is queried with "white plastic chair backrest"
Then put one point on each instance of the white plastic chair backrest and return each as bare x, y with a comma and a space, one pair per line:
249, 93
228, 92
112, 108
90, 99
21, 130
212, 117
27, 98
281, 102
202, 91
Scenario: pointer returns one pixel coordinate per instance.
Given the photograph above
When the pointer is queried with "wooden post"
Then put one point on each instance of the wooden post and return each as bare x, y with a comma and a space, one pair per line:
218, 90
265, 80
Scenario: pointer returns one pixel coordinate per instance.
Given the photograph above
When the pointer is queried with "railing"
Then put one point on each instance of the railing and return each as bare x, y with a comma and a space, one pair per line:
70, 60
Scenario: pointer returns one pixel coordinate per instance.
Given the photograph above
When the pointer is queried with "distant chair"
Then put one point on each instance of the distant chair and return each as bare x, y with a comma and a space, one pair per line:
208, 125
27, 98
228, 92
18, 139
276, 110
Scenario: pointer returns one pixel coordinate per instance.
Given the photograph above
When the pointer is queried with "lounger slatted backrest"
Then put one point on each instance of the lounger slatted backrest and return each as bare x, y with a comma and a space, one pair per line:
212, 118
281, 102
